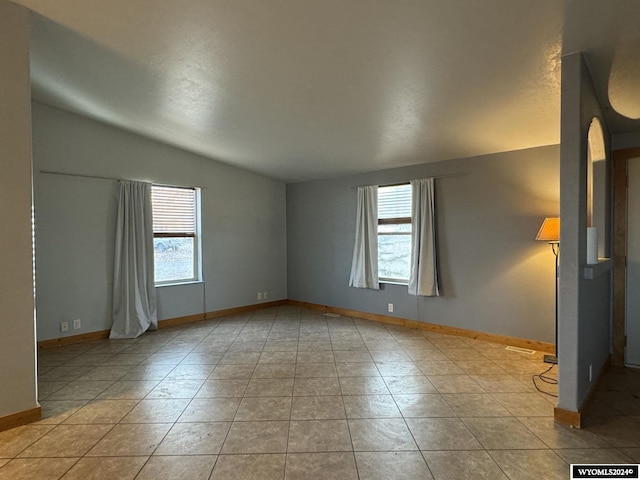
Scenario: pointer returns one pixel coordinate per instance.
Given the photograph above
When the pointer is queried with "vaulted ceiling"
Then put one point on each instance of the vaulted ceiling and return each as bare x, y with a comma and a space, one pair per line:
306, 89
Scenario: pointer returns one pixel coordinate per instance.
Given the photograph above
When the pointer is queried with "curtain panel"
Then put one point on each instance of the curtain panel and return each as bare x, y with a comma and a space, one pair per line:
364, 266
134, 291
423, 275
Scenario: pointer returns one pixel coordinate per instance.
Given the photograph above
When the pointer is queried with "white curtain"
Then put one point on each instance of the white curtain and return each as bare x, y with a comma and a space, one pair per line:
364, 266
134, 292
423, 276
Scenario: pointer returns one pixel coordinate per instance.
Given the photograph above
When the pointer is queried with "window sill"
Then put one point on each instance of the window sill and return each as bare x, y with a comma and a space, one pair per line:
177, 284
391, 282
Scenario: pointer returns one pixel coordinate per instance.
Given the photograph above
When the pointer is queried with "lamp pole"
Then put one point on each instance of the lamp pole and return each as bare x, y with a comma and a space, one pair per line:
555, 247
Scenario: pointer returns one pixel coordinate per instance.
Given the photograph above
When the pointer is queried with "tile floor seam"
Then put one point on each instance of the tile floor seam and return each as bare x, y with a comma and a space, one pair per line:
353, 448
142, 467
70, 467
498, 464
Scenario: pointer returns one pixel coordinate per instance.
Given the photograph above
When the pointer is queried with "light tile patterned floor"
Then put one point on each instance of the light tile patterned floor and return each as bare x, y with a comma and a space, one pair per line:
293, 394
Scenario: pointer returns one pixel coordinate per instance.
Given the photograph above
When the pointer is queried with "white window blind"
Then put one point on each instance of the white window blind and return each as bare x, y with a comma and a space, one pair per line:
394, 232
394, 201
174, 210
176, 242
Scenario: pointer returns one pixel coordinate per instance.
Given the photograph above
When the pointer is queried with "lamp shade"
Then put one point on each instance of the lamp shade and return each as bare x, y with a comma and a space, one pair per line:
550, 230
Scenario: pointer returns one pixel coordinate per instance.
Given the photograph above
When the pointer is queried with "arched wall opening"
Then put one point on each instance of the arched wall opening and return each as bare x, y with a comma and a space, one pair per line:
597, 191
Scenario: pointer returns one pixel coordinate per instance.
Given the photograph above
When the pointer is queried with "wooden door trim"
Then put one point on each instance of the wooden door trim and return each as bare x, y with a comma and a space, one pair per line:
620, 185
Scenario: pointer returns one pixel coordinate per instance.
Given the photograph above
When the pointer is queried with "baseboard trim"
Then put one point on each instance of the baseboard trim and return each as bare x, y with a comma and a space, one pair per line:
174, 322
244, 309
567, 417
20, 418
199, 317
169, 322
83, 337
431, 327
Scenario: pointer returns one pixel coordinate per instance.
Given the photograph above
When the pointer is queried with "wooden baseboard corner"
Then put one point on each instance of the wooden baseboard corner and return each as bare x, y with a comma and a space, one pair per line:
431, 327
20, 418
567, 417
245, 309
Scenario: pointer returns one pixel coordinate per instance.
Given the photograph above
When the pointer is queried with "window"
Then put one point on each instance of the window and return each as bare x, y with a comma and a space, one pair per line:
394, 233
175, 234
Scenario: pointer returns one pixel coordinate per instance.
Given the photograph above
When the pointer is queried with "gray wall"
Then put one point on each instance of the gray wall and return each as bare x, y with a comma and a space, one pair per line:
243, 223
17, 341
495, 277
626, 140
584, 338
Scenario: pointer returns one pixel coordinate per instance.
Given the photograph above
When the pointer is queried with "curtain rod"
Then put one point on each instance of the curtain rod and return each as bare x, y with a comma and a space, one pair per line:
404, 183
98, 177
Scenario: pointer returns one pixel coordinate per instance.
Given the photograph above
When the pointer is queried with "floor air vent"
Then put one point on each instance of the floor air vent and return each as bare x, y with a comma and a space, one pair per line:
521, 350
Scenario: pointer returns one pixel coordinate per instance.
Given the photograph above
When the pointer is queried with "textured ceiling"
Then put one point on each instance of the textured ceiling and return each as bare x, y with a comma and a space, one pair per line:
299, 89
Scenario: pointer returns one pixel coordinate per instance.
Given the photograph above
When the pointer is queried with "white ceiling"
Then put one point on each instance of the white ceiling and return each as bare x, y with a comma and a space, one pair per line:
300, 89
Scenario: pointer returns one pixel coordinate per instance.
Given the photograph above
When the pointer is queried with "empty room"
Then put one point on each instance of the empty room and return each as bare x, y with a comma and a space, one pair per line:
319, 240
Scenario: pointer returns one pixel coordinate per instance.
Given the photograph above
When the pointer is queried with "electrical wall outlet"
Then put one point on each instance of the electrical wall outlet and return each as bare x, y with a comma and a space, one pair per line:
64, 326
259, 295
391, 307
77, 324
265, 295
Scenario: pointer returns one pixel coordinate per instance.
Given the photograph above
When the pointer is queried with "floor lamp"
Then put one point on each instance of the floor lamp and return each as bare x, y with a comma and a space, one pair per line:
550, 232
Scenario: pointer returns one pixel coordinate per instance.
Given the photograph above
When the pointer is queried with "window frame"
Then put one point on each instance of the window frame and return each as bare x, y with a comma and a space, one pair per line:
394, 221
197, 249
